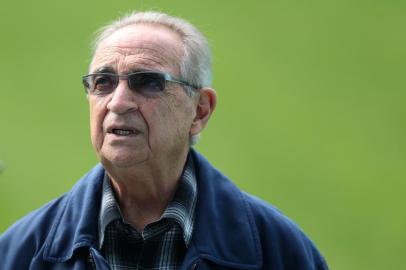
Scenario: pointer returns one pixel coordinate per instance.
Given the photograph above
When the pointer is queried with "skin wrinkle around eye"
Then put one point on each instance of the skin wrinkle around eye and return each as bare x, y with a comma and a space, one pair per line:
130, 59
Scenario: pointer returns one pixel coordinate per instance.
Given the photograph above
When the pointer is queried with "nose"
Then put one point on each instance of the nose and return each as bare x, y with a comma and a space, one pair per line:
122, 99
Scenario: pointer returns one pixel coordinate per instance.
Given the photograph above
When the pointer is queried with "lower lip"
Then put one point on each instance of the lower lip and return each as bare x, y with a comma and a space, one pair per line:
117, 136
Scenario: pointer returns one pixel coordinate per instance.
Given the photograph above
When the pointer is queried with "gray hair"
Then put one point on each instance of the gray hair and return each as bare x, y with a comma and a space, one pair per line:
195, 65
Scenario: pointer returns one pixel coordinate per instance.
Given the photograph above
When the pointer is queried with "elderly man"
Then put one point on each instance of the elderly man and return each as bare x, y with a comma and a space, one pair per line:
154, 202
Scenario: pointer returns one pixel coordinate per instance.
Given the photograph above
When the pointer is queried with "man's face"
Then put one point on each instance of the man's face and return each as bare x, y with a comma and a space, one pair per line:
160, 124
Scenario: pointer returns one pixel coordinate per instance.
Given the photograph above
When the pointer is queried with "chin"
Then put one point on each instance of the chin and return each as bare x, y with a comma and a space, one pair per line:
122, 160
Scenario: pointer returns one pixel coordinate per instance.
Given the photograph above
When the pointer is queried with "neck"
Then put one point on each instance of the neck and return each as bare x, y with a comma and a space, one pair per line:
144, 191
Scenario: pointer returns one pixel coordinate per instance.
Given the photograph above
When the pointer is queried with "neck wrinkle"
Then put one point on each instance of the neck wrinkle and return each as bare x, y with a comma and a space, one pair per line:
143, 193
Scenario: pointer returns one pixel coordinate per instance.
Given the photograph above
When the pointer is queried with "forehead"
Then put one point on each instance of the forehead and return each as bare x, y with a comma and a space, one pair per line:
139, 47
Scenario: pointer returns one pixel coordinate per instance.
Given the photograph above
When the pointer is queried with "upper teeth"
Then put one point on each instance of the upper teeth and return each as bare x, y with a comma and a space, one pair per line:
122, 132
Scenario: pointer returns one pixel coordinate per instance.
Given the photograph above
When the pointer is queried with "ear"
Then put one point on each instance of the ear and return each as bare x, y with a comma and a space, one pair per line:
206, 104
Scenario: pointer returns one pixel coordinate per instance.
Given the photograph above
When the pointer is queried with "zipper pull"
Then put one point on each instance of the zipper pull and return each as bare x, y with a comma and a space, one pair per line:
194, 266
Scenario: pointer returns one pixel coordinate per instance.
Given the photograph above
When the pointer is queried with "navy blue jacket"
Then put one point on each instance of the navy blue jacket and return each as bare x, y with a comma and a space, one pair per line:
233, 230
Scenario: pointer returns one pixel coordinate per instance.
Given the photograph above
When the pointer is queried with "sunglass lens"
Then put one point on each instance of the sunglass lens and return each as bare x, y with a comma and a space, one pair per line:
103, 83
147, 83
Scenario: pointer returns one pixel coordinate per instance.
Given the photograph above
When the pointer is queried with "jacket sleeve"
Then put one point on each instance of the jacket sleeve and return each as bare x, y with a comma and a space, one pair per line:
23, 242
17, 246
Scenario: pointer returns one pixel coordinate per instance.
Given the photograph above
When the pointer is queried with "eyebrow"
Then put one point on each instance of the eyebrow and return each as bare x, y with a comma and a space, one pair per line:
104, 70
111, 70
135, 70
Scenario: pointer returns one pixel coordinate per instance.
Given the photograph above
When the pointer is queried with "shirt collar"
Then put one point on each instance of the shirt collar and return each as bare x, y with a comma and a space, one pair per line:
181, 209
109, 209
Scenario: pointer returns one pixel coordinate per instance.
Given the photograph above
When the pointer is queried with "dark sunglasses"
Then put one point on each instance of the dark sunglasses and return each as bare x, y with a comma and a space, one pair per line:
143, 82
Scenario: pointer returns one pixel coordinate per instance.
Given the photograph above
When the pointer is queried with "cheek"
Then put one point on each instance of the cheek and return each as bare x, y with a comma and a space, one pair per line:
173, 118
96, 124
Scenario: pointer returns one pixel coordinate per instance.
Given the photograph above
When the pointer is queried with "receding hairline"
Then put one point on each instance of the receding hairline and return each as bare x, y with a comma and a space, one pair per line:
155, 48
101, 42
179, 34
106, 31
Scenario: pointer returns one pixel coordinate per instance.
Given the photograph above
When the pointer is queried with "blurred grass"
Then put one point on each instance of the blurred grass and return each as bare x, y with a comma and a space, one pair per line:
310, 114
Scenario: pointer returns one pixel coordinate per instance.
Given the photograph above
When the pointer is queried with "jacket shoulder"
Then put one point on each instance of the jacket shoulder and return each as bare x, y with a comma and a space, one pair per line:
27, 239
277, 231
253, 233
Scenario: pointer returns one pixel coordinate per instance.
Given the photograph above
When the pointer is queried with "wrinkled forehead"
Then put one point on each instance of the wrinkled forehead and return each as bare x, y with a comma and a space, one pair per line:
140, 47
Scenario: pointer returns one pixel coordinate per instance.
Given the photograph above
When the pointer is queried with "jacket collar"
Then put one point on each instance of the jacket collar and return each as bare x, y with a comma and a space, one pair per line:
224, 230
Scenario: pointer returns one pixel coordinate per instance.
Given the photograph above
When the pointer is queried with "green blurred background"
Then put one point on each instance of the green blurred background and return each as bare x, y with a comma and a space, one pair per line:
311, 111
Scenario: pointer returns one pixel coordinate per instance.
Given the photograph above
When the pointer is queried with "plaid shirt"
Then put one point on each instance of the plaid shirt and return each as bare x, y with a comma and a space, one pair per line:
162, 245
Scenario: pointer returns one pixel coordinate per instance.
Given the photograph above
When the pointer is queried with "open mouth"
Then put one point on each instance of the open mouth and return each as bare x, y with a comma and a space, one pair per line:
122, 132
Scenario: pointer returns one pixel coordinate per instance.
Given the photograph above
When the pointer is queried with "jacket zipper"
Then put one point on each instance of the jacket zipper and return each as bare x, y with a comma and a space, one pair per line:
91, 261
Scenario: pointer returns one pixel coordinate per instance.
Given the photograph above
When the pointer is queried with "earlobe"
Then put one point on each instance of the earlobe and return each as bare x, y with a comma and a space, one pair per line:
206, 104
